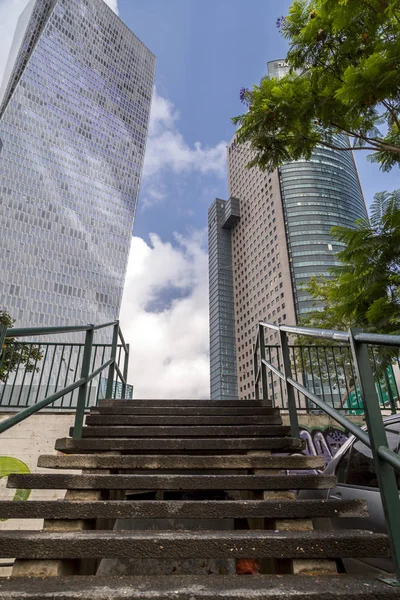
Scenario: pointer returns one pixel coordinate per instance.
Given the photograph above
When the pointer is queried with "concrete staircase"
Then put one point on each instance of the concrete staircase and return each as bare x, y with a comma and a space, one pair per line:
177, 499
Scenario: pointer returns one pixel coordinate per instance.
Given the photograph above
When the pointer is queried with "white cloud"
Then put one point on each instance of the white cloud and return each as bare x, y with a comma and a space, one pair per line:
167, 149
10, 11
169, 347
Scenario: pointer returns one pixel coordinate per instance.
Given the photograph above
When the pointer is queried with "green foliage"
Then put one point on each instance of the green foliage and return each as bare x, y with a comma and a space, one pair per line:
14, 353
344, 79
364, 290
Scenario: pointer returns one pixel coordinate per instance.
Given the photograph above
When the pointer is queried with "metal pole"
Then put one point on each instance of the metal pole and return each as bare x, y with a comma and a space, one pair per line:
263, 367
111, 370
3, 332
255, 369
82, 395
126, 365
385, 473
287, 369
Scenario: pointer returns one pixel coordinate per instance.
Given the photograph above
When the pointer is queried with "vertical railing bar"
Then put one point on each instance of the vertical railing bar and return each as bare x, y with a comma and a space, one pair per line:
305, 378
126, 366
389, 390
270, 373
41, 373
295, 376
83, 389
320, 373
377, 376
337, 374
312, 376
356, 387
255, 369
91, 381
25, 371
76, 371
58, 378
291, 399
377, 435
263, 367
67, 373
33, 373
51, 369
111, 368
16, 371
344, 375
100, 374
4, 353
280, 380
329, 373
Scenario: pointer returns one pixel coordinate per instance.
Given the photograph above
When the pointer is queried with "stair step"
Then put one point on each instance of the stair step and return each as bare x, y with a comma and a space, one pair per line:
107, 420
185, 509
177, 444
233, 411
203, 587
193, 431
197, 544
178, 461
170, 482
179, 403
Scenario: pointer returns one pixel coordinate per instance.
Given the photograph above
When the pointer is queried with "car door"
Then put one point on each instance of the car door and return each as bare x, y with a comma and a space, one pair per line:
356, 479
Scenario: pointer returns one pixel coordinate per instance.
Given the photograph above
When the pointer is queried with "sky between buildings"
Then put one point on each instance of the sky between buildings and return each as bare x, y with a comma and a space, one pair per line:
206, 51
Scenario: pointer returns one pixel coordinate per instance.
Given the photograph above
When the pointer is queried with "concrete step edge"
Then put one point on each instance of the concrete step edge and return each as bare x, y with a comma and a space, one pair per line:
206, 587
198, 544
169, 482
183, 509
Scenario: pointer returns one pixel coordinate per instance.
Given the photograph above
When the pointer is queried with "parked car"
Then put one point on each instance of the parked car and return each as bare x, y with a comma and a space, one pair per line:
354, 468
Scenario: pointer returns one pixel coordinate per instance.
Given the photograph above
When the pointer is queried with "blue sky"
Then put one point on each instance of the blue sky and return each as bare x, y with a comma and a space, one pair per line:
206, 51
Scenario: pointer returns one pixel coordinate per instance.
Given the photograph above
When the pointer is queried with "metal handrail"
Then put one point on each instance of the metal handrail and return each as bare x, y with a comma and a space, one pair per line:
85, 376
386, 461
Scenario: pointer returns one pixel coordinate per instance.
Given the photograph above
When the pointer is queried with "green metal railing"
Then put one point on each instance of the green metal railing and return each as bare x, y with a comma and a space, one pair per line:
329, 372
386, 461
80, 362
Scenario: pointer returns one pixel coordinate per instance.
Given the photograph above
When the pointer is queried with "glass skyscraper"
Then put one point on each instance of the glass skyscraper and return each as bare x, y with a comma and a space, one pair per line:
279, 238
74, 114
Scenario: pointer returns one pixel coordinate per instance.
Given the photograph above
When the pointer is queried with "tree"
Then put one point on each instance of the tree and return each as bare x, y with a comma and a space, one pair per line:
344, 78
14, 353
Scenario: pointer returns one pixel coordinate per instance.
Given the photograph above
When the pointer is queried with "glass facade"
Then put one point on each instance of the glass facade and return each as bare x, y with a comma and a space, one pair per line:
316, 195
74, 116
222, 215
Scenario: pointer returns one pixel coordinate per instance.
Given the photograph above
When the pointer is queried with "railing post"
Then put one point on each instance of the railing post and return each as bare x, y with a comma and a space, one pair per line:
377, 434
263, 367
111, 368
291, 398
255, 370
82, 395
3, 333
125, 373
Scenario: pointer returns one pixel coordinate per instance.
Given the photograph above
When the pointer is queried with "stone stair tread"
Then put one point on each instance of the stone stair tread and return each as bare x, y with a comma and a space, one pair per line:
117, 419
181, 402
199, 544
192, 431
179, 461
187, 587
116, 409
182, 509
169, 482
177, 444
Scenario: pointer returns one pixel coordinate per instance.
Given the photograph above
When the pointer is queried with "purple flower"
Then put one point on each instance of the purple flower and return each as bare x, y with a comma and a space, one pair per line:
280, 22
245, 95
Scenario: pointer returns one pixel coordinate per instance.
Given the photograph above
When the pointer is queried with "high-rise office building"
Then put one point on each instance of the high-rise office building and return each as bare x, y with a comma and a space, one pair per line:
74, 114
261, 257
